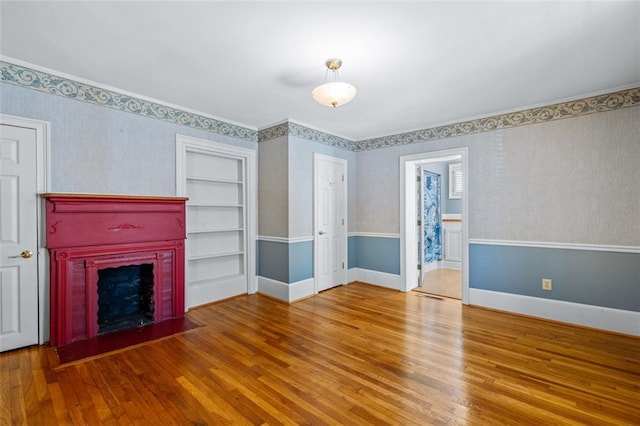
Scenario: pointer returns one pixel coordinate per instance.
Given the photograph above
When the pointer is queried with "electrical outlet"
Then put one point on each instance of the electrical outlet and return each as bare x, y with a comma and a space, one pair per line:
546, 284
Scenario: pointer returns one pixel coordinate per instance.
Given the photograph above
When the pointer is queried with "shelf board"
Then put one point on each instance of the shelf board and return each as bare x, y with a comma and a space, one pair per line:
215, 180
214, 279
212, 231
215, 255
214, 205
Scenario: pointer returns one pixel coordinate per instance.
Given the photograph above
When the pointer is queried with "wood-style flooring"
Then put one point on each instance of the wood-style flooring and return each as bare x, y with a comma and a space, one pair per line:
356, 354
442, 282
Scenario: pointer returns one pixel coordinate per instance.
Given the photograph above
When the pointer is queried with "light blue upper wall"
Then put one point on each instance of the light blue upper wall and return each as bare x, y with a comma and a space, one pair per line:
301, 153
273, 188
563, 181
101, 150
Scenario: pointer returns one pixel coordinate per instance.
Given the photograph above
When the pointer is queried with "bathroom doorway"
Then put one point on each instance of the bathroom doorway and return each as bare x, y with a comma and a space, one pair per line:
439, 207
412, 238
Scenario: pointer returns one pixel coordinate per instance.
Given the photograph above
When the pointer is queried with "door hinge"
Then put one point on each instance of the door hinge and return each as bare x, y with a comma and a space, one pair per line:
419, 267
342, 265
418, 178
343, 178
419, 222
343, 221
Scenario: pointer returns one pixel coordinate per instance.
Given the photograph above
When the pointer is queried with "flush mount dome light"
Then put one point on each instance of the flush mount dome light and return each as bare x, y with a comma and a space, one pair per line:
333, 93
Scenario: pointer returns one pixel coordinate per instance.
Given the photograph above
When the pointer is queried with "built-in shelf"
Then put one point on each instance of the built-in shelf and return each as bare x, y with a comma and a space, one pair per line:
214, 279
213, 205
215, 255
215, 180
207, 231
216, 221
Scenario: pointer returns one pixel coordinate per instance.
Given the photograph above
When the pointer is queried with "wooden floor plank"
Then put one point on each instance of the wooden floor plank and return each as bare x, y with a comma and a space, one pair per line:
356, 354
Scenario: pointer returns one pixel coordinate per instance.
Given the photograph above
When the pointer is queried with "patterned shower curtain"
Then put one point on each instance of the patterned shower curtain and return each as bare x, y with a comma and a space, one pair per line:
431, 217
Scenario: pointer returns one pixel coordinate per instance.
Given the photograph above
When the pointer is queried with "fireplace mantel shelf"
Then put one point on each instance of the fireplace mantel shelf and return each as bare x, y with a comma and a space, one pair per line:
110, 196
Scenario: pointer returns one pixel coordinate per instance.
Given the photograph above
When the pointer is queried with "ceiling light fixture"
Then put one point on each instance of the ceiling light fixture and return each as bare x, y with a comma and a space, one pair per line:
333, 93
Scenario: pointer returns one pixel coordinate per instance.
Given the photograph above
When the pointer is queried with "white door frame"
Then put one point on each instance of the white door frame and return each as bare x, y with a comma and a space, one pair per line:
408, 243
207, 146
43, 185
316, 256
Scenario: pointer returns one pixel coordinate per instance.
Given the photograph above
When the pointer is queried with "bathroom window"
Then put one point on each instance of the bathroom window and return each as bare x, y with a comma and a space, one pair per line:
455, 180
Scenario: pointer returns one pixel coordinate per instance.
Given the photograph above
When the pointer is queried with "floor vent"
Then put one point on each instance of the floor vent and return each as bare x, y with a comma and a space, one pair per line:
430, 296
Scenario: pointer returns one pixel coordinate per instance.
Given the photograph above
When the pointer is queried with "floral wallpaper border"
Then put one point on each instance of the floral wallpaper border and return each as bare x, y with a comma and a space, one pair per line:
601, 103
44, 82
273, 132
290, 128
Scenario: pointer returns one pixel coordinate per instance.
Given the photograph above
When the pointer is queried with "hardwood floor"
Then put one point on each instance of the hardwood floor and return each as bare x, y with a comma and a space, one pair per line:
443, 282
356, 354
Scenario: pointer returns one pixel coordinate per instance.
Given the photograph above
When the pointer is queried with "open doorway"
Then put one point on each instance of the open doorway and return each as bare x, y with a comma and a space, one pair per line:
439, 227
412, 239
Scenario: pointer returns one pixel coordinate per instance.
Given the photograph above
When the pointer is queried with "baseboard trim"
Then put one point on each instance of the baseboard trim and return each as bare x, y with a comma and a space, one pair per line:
286, 292
373, 235
450, 264
301, 289
615, 320
431, 266
381, 279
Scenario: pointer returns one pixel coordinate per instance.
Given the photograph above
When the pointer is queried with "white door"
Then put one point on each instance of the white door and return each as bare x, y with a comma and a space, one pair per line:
330, 222
18, 238
218, 180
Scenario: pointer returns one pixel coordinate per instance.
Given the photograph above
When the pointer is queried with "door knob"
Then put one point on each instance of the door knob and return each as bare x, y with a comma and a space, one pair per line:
321, 233
25, 254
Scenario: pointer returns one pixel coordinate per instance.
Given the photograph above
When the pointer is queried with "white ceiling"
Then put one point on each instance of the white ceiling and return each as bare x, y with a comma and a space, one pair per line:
414, 64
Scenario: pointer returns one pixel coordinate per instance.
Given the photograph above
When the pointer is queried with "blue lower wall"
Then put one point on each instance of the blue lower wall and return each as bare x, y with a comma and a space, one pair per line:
273, 260
380, 254
300, 261
285, 262
599, 278
293, 262
608, 279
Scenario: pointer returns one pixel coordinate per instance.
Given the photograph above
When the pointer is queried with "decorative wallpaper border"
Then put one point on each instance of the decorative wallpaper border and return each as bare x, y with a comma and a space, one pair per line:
601, 103
318, 136
273, 132
290, 128
44, 82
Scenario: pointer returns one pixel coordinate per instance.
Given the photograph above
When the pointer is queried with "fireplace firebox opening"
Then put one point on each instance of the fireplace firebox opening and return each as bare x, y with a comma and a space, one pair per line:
125, 297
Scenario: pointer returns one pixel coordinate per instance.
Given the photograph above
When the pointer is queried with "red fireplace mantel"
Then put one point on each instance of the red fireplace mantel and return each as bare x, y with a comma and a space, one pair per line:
87, 232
